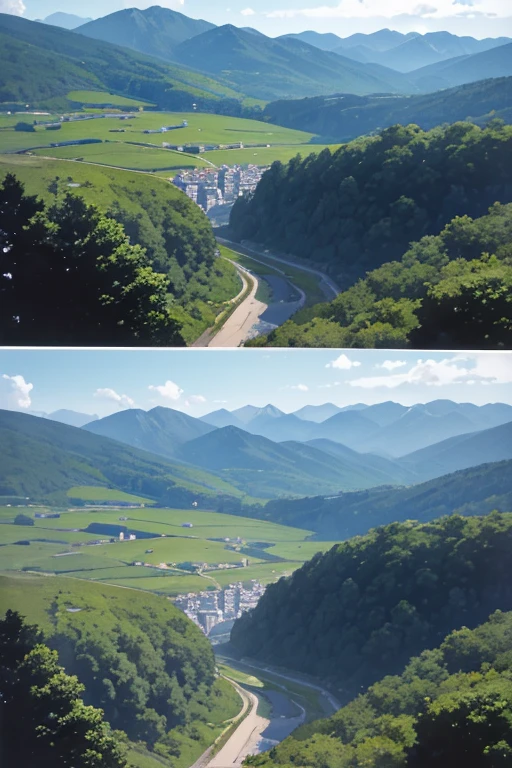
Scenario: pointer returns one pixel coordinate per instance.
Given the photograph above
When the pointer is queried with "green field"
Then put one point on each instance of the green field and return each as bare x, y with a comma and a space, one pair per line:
202, 129
264, 155
128, 156
93, 493
100, 97
60, 546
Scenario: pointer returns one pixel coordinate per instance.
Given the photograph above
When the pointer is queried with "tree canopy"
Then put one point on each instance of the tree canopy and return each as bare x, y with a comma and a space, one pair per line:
450, 291
450, 706
44, 719
69, 275
362, 609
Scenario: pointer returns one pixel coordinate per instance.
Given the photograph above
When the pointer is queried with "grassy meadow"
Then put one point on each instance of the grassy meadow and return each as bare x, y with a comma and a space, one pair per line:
63, 546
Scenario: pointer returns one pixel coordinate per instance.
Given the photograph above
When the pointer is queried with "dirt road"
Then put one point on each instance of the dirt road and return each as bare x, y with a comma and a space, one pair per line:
245, 739
237, 328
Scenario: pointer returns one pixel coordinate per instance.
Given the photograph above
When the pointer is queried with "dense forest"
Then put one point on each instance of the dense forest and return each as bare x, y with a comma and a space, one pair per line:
133, 272
450, 706
474, 491
44, 719
342, 117
453, 290
361, 610
140, 659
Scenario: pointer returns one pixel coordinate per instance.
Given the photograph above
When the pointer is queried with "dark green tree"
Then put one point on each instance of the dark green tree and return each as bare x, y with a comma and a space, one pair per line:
68, 275
44, 720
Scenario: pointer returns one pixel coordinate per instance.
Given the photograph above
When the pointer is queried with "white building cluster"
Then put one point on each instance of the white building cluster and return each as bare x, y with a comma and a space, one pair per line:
209, 188
207, 609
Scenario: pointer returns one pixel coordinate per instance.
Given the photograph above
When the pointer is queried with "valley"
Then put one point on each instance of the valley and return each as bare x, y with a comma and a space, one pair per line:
143, 543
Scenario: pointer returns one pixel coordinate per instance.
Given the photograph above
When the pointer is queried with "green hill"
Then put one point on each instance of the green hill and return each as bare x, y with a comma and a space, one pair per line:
496, 62
473, 491
431, 298
270, 469
345, 116
361, 610
449, 706
41, 64
141, 660
156, 215
43, 459
370, 199
269, 68
154, 31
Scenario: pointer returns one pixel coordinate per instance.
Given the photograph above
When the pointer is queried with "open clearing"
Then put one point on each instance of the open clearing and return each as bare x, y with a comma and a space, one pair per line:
62, 545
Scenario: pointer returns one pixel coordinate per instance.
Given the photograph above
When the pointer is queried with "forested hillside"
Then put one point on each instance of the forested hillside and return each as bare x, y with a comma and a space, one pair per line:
175, 233
364, 608
450, 706
41, 64
360, 207
447, 291
344, 117
43, 459
40, 701
140, 659
474, 491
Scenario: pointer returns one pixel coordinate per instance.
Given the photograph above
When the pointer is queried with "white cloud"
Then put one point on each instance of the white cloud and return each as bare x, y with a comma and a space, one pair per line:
220, 402
330, 386
485, 369
123, 401
16, 7
343, 363
360, 9
248, 12
390, 365
169, 390
196, 400
296, 387
15, 393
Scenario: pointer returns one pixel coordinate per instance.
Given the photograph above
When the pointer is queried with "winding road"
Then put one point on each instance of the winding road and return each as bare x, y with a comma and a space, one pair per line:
238, 326
327, 284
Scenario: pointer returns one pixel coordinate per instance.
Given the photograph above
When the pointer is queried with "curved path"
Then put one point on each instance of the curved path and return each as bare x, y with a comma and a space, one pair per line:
238, 326
244, 741
332, 703
327, 284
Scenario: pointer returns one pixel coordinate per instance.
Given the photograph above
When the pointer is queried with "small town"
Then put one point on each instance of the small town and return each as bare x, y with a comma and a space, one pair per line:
208, 609
210, 188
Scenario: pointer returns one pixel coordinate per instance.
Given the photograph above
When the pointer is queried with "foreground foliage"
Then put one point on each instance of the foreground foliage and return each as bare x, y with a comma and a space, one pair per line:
448, 291
44, 719
148, 667
450, 706
71, 277
362, 609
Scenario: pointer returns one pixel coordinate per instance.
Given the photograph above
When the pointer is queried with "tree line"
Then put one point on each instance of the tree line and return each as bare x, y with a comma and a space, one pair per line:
450, 706
361, 207
361, 610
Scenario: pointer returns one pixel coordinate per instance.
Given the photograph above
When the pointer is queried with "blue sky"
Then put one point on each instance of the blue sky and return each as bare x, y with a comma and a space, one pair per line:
478, 18
199, 381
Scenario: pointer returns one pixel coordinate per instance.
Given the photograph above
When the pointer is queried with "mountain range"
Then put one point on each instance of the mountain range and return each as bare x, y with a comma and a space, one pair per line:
174, 61
176, 459
388, 429
267, 453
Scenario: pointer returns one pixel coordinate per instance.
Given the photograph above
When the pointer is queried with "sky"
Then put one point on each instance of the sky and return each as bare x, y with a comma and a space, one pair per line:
478, 18
197, 382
